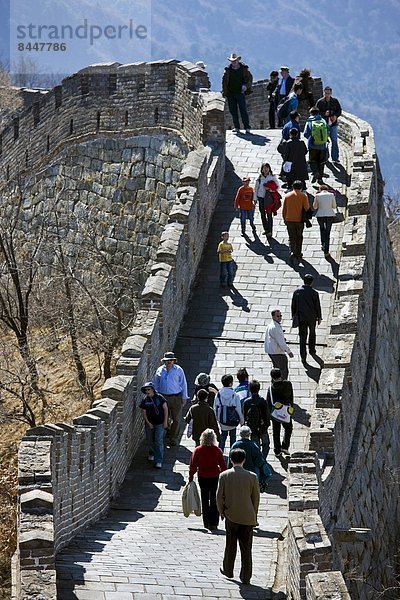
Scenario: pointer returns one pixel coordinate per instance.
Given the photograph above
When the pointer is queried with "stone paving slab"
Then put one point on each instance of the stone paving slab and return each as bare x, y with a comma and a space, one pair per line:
145, 549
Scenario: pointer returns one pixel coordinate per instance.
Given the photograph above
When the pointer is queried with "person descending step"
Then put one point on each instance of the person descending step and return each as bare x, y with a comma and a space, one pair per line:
244, 203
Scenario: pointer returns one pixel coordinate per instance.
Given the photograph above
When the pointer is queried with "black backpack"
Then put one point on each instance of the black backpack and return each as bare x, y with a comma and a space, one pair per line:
253, 417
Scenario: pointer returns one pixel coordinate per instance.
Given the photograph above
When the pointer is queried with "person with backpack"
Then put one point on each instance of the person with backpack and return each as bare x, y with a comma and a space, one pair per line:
317, 132
242, 388
255, 462
289, 104
228, 411
256, 416
329, 107
155, 414
280, 393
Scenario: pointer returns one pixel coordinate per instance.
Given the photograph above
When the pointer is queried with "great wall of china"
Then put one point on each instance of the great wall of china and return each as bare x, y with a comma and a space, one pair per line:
153, 136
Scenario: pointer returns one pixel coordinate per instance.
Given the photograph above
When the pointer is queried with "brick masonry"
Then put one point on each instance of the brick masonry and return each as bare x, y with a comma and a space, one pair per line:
68, 474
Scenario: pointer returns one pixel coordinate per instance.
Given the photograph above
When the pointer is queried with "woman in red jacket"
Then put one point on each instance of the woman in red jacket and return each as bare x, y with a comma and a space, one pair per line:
208, 462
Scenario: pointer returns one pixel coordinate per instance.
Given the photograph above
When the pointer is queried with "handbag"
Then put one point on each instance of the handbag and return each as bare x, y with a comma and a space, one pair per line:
280, 412
339, 217
287, 166
306, 216
191, 499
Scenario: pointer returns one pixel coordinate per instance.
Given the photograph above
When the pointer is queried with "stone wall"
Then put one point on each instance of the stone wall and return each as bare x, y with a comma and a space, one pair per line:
258, 105
355, 425
69, 473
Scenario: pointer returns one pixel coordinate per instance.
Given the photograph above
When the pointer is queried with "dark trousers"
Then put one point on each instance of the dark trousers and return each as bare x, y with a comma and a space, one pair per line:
280, 361
208, 490
271, 115
317, 160
295, 231
174, 402
307, 329
276, 433
325, 226
244, 535
266, 218
236, 101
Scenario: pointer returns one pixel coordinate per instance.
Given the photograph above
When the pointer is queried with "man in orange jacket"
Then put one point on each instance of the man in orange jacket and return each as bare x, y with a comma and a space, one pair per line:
293, 205
244, 202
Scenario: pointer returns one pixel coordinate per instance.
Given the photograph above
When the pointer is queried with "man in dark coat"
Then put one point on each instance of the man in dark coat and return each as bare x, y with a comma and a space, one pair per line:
294, 151
306, 311
330, 109
236, 85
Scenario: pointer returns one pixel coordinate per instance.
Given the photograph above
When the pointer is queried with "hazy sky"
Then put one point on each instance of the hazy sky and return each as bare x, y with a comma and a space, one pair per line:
353, 45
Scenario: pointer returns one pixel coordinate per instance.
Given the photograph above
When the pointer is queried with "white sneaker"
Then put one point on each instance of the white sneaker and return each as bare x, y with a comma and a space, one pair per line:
248, 131
158, 466
234, 130
150, 457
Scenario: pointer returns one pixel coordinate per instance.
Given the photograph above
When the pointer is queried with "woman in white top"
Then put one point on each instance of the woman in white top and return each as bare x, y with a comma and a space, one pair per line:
325, 204
264, 198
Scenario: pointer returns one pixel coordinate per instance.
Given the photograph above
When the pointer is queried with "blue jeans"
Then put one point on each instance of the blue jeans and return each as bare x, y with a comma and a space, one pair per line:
224, 435
333, 134
226, 272
155, 441
246, 214
235, 101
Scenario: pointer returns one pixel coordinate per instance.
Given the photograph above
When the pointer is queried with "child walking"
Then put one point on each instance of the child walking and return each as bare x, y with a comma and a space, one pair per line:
226, 263
244, 202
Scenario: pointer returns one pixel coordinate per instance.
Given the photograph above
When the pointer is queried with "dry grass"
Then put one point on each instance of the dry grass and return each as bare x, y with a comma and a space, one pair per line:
65, 400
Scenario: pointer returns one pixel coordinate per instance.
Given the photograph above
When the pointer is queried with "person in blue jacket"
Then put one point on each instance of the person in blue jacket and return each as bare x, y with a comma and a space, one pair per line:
293, 123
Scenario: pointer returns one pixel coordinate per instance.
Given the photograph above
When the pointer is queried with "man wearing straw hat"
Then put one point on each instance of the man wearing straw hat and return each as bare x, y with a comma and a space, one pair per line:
170, 382
236, 84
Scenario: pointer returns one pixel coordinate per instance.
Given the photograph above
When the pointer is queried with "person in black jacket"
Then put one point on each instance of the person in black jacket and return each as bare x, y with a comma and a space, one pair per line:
280, 391
294, 151
306, 313
256, 416
330, 109
271, 85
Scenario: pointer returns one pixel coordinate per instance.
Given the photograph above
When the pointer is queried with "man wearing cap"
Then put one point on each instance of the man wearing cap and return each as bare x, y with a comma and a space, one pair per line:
306, 310
155, 413
170, 381
282, 90
245, 204
236, 84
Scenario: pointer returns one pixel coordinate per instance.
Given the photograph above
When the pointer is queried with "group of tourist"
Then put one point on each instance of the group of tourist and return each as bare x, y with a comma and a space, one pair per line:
230, 488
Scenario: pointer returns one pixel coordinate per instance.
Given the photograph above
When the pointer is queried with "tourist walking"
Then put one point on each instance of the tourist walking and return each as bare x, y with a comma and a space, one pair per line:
228, 410
330, 109
317, 132
245, 204
238, 498
170, 381
325, 207
226, 262
208, 462
254, 459
155, 414
306, 313
202, 417
275, 344
242, 388
295, 204
280, 392
283, 88
264, 197
236, 85
203, 382
256, 416
294, 156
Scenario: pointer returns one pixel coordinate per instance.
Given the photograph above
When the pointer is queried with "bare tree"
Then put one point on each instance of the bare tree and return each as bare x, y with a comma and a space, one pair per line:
10, 97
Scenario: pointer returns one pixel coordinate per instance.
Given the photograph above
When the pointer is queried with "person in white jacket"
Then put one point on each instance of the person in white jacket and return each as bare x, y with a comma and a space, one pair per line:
325, 203
275, 344
227, 397
263, 198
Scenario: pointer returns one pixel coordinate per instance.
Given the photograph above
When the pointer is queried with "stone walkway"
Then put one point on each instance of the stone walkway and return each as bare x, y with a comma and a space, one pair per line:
145, 549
